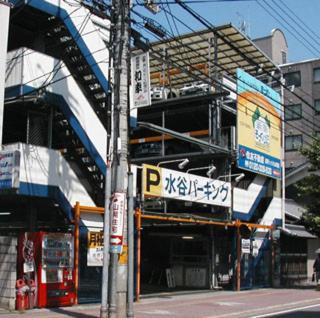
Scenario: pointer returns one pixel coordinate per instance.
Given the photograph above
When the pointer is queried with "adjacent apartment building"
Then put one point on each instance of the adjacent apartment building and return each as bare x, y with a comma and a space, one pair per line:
301, 97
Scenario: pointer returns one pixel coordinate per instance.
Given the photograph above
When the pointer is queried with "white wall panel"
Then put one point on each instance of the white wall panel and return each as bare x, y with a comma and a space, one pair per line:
36, 69
39, 165
245, 198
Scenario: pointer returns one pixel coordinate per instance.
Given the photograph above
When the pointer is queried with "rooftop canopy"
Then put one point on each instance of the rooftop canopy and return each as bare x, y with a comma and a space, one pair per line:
205, 54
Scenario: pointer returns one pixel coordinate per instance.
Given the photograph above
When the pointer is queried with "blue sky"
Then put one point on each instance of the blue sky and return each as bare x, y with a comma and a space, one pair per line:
259, 21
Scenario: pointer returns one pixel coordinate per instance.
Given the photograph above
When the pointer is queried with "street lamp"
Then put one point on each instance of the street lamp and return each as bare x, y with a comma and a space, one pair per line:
211, 170
239, 176
181, 165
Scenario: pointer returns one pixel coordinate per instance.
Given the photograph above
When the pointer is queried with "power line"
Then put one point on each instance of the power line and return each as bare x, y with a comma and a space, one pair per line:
53, 46
302, 40
234, 91
302, 36
191, 49
289, 124
283, 105
47, 84
208, 24
301, 89
300, 20
297, 24
284, 26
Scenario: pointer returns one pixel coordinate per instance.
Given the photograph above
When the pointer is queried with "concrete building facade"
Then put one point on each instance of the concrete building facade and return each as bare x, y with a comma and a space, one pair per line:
55, 121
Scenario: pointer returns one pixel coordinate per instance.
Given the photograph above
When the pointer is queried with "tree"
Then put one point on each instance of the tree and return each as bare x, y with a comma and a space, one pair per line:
309, 189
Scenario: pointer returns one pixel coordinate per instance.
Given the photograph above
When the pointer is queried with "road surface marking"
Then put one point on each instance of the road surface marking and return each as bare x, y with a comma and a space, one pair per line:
156, 312
250, 311
285, 311
228, 303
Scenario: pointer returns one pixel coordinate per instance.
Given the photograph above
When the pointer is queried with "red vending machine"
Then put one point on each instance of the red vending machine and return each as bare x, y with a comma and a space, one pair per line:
46, 266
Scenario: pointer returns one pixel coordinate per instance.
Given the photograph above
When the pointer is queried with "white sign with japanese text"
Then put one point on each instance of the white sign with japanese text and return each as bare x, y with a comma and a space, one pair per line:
9, 169
95, 248
245, 246
140, 79
118, 207
178, 185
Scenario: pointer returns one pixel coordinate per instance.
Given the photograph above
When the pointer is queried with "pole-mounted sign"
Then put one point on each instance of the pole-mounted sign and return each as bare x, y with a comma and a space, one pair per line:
118, 207
140, 80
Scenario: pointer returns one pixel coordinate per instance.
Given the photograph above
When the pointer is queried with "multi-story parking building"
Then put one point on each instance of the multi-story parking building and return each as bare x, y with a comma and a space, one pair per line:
55, 123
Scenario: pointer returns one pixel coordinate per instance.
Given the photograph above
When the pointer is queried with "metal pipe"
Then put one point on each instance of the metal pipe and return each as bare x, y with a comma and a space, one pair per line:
50, 125
194, 133
138, 220
191, 220
91, 209
283, 171
106, 237
238, 269
76, 249
130, 312
163, 136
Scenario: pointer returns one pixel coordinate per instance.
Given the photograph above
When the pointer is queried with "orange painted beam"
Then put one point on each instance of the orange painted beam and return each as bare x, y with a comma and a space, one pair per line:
76, 248
175, 71
91, 209
194, 133
185, 220
138, 274
236, 223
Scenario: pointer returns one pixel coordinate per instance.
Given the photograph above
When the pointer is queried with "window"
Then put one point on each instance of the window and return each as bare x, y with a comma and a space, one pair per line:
284, 57
293, 142
293, 78
317, 106
293, 112
316, 74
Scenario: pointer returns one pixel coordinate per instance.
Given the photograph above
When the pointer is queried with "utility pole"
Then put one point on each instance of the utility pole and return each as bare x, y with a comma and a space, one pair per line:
4, 18
119, 164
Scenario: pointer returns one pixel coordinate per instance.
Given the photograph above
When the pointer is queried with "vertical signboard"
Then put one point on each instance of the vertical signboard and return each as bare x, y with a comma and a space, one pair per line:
95, 248
258, 126
118, 208
9, 169
140, 79
245, 246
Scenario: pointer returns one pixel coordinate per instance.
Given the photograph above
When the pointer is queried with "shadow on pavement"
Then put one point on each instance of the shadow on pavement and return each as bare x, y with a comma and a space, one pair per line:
71, 313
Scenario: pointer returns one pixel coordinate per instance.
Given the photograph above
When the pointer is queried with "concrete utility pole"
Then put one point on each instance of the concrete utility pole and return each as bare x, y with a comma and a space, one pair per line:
119, 165
4, 18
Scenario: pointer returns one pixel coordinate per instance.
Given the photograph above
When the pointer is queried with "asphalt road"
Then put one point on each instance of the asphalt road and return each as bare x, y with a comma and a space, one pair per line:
312, 311
244, 304
260, 303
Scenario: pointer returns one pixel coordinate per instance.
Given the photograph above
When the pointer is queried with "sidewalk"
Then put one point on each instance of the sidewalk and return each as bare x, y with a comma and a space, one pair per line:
206, 304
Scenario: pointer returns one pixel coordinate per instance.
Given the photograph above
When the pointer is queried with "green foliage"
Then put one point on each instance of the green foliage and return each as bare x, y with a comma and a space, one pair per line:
309, 189
255, 115
313, 153
268, 121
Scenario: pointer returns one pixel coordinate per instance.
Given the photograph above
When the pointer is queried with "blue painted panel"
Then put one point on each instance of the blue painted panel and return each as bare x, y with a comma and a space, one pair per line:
73, 121
76, 126
47, 191
247, 216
